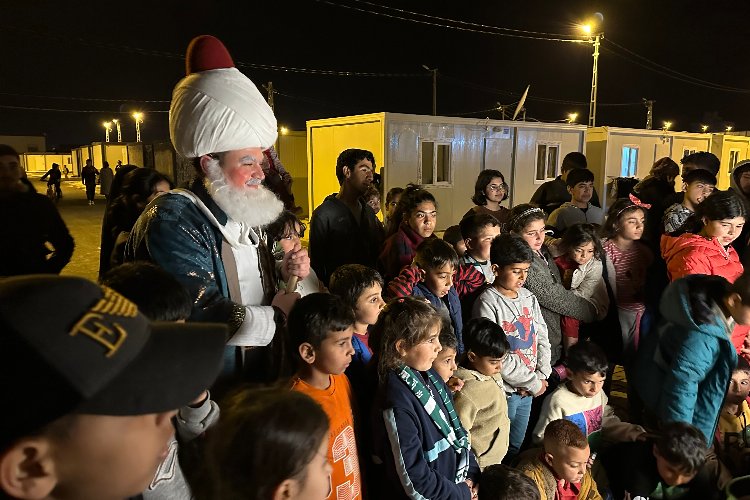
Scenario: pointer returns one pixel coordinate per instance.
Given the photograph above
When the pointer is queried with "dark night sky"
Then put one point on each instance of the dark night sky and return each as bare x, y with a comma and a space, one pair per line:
127, 52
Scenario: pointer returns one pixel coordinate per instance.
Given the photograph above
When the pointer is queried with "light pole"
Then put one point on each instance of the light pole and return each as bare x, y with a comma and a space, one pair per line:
119, 133
138, 117
107, 128
434, 88
588, 28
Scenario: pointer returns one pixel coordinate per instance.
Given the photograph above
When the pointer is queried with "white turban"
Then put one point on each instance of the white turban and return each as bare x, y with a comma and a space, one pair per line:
215, 108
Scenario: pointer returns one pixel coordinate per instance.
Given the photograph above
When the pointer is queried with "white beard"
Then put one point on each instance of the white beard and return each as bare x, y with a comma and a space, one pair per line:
254, 207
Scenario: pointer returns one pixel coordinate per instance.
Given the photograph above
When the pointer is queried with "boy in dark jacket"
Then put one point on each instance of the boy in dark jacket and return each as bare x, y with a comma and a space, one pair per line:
436, 276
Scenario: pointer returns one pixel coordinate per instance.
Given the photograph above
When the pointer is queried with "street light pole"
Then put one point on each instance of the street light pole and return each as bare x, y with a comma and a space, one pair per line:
138, 117
107, 128
119, 133
594, 80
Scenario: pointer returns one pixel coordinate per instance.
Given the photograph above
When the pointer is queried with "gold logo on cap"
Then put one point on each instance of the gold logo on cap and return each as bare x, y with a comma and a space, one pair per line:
105, 331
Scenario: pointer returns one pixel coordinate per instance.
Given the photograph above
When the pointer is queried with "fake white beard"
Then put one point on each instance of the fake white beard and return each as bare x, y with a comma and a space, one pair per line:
253, 207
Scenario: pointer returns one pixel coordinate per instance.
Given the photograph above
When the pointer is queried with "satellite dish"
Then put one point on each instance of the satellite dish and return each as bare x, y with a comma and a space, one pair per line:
521, 102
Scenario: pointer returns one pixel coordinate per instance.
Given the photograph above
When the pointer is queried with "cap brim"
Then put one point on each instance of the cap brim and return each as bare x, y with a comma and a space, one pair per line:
179, 361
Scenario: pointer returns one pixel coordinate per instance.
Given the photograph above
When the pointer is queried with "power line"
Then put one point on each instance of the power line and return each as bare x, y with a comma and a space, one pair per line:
91, 99
102, 111
551, 38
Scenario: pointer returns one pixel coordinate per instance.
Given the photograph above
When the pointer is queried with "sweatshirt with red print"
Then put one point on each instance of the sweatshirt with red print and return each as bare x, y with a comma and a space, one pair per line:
528, 361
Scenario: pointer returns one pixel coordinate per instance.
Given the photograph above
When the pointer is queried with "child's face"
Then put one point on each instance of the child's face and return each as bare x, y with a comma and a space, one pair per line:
495, 191
533, 233
439, 280
422, 219
421, 356
511, 277
486, 365
369, 305
724, 230
569, 462
697, 191
374, 203
670, 474
291, 238
585, 384
582, 192
316, 482
391, 206
630, 225
110, 457
335, 352
460, 248
739, 387
583, 254
445, 363
479, 247
739, 311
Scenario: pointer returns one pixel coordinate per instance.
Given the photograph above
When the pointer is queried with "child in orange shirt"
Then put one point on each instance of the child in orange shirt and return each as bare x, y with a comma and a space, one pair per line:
320, 330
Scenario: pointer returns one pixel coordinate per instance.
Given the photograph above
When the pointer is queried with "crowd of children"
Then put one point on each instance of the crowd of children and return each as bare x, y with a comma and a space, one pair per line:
476, 365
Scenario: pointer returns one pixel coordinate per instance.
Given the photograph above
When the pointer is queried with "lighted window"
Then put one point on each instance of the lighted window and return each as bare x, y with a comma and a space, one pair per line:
629, 164
435, 163
547, 160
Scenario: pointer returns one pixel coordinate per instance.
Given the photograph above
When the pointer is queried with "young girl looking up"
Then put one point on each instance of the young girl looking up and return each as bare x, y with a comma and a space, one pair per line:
426, 453
237, 462
580, 265
284, 235
631, 258
544, 279
412, 222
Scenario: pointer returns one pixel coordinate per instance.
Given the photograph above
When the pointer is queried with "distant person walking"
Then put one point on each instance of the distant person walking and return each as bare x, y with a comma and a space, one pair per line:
105, 179
88, 177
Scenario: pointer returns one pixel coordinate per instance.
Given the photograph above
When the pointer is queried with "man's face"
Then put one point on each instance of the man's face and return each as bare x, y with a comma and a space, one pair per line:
359, 177
242, 168
10, 171
568, 462
479, 247
744, 181
111, 457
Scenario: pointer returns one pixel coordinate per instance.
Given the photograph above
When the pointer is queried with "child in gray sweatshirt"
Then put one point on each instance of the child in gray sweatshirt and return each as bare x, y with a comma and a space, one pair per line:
515, 309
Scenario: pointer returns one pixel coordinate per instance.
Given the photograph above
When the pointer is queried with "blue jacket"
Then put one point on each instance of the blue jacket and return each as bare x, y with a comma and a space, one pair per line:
684, 369
419, 462
454, 309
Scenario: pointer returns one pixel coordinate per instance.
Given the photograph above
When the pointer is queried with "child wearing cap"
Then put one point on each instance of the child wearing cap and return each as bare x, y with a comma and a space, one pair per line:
160, 297
95, 419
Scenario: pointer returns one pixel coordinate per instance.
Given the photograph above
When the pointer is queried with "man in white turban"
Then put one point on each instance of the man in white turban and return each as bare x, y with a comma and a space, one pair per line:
211, 236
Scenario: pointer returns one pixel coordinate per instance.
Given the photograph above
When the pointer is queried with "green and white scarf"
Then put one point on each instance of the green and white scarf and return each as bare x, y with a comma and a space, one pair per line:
450, 427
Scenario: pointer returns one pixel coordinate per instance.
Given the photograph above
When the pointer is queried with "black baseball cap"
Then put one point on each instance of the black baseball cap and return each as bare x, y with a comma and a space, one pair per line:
68, 345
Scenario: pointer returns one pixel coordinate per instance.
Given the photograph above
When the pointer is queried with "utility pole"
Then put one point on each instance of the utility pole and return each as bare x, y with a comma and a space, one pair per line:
649, 103
269, 88
594, 80
434, 88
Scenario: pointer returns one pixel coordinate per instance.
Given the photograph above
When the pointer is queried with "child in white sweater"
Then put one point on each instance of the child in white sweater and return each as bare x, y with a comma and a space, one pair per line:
581, 400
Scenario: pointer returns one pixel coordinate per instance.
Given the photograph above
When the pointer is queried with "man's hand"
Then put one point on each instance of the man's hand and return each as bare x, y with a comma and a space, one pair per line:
295, 262
285, 301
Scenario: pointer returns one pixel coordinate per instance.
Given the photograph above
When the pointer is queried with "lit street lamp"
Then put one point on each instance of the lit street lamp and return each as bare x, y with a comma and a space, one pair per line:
119, 133
588, 30
704, 128
283, 130
138, 117
667, 126
107, 128
729, 128
572, 117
